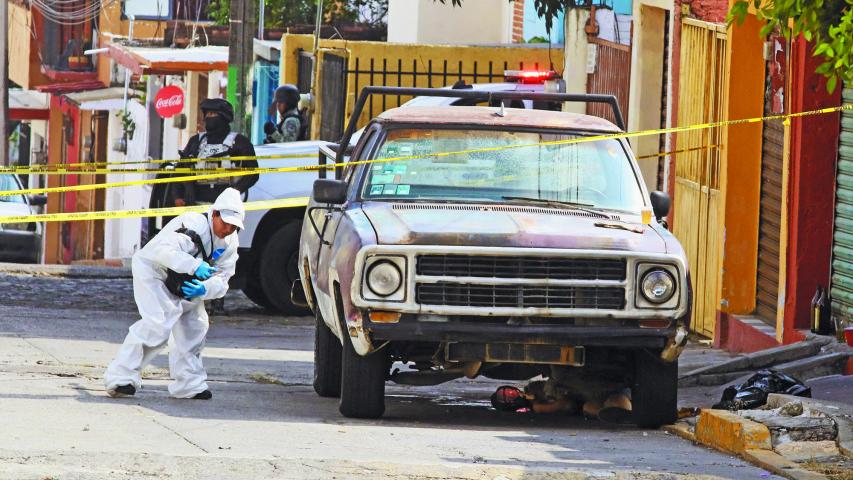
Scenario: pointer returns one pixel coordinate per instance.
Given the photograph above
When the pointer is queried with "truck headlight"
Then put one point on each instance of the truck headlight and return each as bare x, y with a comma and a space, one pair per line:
657, 286
384, 278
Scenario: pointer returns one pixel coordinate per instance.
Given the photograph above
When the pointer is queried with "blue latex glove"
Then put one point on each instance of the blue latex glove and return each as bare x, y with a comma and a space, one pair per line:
216, 254
204, 271
193, 289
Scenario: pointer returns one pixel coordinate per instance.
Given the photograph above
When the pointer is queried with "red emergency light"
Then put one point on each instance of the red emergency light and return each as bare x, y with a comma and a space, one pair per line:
530, 76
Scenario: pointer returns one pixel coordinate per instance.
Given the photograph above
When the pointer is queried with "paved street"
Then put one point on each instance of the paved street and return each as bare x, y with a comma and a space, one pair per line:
58, 334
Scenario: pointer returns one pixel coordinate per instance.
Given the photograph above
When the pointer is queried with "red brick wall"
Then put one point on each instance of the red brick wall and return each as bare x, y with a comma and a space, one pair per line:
518, 21
707, 10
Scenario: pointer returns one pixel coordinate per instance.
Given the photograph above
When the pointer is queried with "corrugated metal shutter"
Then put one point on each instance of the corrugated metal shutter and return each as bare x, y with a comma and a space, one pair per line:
841, 289
770, 222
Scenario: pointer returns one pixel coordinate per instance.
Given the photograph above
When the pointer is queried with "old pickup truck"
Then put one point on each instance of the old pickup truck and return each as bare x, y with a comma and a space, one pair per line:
470, 240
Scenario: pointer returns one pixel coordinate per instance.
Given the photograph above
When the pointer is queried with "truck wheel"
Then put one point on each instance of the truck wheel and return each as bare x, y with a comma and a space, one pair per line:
363, 382
327, 359
655, 392
279, 267
255, 291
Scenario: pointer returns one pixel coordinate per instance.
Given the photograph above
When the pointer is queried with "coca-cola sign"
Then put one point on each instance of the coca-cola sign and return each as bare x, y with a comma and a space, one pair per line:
169, 101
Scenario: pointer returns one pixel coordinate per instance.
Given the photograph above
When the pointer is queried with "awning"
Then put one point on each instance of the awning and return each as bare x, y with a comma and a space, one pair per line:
60, 88
28, 105
103, 99
269, 50
170, 61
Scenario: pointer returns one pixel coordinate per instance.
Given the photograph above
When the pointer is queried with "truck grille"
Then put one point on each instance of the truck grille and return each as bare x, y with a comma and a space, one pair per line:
520, 296
553, 268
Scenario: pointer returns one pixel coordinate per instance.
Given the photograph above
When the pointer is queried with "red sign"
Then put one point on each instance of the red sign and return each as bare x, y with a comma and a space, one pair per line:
169, 101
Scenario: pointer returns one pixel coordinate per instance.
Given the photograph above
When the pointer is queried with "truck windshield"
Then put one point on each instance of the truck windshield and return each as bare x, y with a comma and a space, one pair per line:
595, 174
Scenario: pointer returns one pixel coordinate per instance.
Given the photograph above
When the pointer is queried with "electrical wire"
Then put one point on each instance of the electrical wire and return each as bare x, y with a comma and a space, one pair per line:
64, 12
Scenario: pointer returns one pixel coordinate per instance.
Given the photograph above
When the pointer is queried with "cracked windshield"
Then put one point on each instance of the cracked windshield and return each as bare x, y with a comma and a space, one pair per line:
595, 174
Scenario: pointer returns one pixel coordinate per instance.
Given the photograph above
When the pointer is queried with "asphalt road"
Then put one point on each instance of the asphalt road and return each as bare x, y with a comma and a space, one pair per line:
58, 334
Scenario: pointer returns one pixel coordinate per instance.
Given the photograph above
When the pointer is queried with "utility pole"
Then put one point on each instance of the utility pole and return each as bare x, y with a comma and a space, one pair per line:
4, 81
243, 20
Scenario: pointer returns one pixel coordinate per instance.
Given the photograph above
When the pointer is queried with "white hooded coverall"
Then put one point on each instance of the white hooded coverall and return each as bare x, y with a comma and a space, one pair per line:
165, 317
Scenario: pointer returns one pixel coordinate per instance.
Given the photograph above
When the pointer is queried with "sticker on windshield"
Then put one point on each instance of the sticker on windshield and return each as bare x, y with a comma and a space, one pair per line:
376, 189
390, 190
403, 189
382, 178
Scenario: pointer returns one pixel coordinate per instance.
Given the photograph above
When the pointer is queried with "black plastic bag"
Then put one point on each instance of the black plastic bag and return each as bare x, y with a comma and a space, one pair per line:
753, 393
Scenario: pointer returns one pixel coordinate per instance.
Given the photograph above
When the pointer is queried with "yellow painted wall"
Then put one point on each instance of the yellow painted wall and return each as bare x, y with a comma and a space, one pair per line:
422, 58
741, 168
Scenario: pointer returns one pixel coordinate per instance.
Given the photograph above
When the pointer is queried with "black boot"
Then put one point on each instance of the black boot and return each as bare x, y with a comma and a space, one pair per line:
122, 391
217, 307
205, 395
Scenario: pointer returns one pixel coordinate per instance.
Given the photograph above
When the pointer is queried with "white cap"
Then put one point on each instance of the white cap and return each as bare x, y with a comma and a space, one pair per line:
230, 207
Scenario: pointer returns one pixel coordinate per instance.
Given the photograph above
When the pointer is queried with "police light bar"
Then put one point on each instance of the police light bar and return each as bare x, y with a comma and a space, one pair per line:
529, 76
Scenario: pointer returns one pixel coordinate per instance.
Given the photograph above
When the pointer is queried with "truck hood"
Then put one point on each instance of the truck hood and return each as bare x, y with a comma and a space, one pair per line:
505, 226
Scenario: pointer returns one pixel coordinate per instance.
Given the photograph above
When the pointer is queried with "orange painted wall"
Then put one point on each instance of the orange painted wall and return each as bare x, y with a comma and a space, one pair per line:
742, 171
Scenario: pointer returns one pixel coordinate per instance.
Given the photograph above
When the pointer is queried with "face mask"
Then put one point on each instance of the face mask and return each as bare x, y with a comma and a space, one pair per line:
212, 124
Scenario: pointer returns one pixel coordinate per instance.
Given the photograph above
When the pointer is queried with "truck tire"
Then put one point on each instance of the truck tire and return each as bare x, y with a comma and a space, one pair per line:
327, 359
255, 291
279, 267
655, 391
363, 382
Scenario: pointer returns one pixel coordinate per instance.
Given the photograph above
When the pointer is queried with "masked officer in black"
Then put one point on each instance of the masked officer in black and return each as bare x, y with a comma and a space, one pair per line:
292, 126
213, 147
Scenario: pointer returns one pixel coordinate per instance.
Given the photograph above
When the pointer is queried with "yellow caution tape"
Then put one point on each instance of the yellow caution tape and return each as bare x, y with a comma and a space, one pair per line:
130, 171
244, 158
149, 212
576, 140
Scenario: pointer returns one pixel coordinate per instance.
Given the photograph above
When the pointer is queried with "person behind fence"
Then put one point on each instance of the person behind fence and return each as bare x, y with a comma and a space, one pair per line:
292, 126
213, 149
188, 262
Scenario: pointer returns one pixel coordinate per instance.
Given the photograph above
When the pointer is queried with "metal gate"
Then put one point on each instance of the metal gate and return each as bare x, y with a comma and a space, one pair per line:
770, 212
841, 287
332, 96
697, 222
612, 76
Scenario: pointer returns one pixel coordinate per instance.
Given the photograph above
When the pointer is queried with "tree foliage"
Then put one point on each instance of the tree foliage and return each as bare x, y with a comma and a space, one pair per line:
551, 9
829, 23
285, 13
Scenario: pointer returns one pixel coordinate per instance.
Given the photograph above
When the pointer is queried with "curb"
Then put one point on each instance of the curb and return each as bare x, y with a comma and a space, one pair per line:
69, 271
840, 413
732, 433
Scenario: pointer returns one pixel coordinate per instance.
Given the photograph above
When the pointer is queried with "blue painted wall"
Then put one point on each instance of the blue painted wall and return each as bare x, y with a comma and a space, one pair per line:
535, 26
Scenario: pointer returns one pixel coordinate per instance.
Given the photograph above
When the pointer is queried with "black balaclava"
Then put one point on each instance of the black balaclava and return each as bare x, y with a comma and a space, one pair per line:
216, 127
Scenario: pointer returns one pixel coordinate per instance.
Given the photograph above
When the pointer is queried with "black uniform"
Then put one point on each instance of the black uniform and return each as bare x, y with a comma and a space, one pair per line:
206, 191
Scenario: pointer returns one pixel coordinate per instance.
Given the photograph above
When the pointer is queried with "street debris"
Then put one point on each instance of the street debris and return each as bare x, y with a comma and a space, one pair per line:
753, 393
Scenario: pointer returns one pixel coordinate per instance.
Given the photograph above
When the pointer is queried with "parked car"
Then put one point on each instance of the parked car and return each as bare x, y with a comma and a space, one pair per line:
19, 242
506, 263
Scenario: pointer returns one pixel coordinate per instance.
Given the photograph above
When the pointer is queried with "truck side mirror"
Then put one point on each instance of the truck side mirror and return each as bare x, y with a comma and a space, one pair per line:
330, 191
661, 204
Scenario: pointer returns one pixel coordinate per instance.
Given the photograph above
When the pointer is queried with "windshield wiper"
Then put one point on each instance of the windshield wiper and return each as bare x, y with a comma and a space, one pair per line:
583, 207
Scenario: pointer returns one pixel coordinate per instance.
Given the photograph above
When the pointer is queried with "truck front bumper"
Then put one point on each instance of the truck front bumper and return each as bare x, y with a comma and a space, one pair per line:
410, 329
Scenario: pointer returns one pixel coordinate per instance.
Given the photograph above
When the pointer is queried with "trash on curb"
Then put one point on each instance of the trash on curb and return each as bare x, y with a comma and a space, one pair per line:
753, 393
